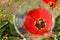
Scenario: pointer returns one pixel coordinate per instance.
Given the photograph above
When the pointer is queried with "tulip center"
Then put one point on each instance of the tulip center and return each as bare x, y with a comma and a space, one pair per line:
51, 4
40, 23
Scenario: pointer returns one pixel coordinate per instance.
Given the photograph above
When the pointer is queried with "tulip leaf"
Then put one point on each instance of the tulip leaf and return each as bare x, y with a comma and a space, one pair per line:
14, 38
51, 38
3, 27
0, 38
12, 27
58, 37
2, 24
57, 25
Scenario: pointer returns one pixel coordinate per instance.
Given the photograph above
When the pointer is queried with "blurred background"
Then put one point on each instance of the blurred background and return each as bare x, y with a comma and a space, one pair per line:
7, 30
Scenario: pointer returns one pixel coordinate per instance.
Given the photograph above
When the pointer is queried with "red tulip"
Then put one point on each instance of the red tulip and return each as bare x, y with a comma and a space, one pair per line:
38, 21
52, 3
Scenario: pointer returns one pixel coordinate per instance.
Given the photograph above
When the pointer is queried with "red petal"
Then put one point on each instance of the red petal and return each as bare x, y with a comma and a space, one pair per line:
47, 17
34, 13
47, 1
29, 25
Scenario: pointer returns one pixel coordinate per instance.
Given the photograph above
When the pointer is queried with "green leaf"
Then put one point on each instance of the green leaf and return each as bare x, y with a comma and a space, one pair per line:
1, 32
0, 38
5, 38
57, 25
51, 38
14, 38
12, 27
57, 28
58, 37
2, 24
44, 39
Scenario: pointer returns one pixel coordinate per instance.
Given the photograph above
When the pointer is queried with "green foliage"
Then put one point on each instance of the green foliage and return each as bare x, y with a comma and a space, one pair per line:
2, 24
12, 29
14, 38
7, 30
57, 24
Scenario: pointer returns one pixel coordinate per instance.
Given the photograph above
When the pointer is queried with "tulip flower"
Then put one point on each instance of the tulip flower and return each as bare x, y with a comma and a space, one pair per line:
38, 21
35, 23
52, 3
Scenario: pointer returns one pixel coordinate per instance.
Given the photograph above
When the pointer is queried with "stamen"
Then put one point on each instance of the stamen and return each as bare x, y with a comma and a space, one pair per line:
51, 4
40, 23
